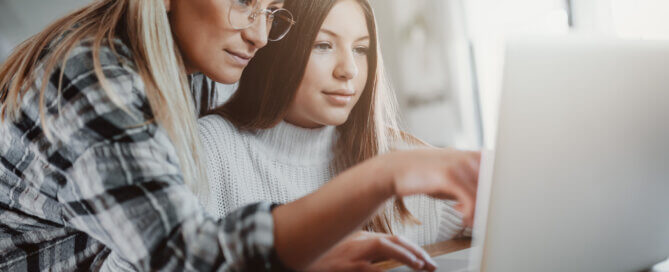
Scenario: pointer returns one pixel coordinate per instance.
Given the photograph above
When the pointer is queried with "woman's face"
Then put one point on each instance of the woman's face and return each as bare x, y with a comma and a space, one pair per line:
207, 41
336, 73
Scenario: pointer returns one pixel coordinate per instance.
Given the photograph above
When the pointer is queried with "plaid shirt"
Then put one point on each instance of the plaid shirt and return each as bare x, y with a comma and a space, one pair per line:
106, 192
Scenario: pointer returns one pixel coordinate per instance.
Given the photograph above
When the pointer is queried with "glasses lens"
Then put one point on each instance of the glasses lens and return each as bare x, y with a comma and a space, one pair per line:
240, 13
280, 22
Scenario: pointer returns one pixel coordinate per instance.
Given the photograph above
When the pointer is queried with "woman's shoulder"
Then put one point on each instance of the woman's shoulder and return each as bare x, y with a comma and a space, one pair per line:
77, 97
82, 110
112, 56
105, 71
104, 76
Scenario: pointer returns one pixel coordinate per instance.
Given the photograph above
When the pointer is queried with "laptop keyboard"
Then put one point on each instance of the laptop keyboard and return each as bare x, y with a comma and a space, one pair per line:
453, 262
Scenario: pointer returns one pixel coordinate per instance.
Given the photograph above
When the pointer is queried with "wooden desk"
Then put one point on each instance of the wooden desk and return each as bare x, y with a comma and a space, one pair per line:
435, 250
460, 244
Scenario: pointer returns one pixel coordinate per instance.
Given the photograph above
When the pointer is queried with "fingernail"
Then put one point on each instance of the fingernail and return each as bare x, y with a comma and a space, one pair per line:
420, 264
432, 263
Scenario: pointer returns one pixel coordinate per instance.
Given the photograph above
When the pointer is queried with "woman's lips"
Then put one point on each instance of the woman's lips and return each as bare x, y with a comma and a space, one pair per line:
239, 58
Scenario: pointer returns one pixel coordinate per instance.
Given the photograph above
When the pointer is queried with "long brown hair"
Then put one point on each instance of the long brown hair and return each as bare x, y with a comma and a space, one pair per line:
270, 82
143, 26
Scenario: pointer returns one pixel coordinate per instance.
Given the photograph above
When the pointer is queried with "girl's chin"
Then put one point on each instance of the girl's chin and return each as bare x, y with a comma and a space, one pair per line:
336, 121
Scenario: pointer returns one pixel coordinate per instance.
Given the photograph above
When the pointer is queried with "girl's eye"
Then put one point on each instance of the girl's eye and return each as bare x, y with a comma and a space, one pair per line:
361, 50
323, 46
245, 3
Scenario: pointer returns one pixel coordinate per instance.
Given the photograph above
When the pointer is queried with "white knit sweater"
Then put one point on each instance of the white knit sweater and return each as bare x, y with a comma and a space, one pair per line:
287, 162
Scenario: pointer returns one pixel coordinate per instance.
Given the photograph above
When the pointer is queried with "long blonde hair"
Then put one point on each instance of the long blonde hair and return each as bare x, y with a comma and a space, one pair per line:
144, 27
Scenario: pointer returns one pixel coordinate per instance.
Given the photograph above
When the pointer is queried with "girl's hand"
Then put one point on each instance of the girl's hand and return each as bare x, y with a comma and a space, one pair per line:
358, 252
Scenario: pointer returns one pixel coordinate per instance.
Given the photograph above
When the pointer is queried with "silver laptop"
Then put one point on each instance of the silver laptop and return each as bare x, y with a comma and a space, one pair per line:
579, 179
580, 174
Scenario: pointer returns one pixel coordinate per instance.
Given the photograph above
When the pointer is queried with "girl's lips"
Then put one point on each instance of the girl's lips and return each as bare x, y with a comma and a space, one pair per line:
338, 99
343, 92
240, 59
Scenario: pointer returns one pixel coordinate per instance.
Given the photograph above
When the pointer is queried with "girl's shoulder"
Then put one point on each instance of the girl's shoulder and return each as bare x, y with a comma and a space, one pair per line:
214, 127
403, 140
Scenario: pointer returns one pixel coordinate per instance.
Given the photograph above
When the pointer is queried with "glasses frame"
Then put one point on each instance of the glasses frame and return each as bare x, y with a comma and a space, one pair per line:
268, 13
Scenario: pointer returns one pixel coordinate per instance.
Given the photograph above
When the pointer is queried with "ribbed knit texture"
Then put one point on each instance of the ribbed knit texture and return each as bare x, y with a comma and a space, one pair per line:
286, 162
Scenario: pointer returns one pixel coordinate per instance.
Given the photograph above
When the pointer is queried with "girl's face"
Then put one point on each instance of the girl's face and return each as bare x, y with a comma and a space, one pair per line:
336, 73
207, 41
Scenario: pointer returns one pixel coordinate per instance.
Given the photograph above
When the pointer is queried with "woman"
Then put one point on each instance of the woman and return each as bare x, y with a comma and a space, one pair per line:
279, 142
99, 148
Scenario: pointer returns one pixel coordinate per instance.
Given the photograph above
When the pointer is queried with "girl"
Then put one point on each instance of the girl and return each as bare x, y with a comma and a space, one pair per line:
328, 112
99, 148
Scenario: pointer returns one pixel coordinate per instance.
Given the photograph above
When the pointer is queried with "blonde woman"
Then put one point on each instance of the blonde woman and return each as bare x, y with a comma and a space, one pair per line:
99, 153
278, 142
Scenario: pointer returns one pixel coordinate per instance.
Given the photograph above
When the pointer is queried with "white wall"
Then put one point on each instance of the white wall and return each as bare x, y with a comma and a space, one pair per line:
20, 19
629, 19
426, 54
490, 22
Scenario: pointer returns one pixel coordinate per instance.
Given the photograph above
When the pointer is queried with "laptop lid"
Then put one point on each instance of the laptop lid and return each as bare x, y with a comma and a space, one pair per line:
580, 179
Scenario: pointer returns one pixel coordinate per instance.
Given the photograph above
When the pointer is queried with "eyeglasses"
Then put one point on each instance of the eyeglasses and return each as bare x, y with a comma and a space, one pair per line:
243, 13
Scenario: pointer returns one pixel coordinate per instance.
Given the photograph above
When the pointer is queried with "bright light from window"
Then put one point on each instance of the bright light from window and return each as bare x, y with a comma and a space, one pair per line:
490, 23
641, 19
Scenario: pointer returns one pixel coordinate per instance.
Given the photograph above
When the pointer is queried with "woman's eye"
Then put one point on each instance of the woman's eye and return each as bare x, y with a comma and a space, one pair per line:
361, 50
322, 46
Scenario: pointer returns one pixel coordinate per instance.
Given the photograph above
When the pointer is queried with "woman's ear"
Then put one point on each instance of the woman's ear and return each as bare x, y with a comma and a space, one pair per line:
167, 5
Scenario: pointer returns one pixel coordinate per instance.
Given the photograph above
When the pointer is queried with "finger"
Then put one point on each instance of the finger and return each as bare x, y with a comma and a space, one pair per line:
358, 235
430, 265
467, 168
476, 155
461, 177
476, 168
475, 165
383, 248
459, 207
363, 267
466, 176
468, 173
466, 199
417, 251
363, 234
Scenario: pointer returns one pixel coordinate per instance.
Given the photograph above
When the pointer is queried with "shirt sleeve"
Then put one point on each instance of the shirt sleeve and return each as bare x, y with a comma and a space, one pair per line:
124, 186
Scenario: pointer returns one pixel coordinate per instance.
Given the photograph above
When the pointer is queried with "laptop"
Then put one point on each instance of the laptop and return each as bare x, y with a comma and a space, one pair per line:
579, 179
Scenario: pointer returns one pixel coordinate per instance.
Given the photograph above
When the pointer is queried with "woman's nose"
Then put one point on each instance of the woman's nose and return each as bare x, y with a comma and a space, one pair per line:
257, 34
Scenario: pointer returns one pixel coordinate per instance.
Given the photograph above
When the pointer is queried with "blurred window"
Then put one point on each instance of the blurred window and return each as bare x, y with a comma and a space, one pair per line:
641, 19
490, 23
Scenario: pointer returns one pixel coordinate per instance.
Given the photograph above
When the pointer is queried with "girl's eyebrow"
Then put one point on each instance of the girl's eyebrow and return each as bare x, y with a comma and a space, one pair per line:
333, 34
275, 2
362, 38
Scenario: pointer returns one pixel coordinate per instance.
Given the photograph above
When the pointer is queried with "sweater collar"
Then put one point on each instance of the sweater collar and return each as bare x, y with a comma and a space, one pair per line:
296, 145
